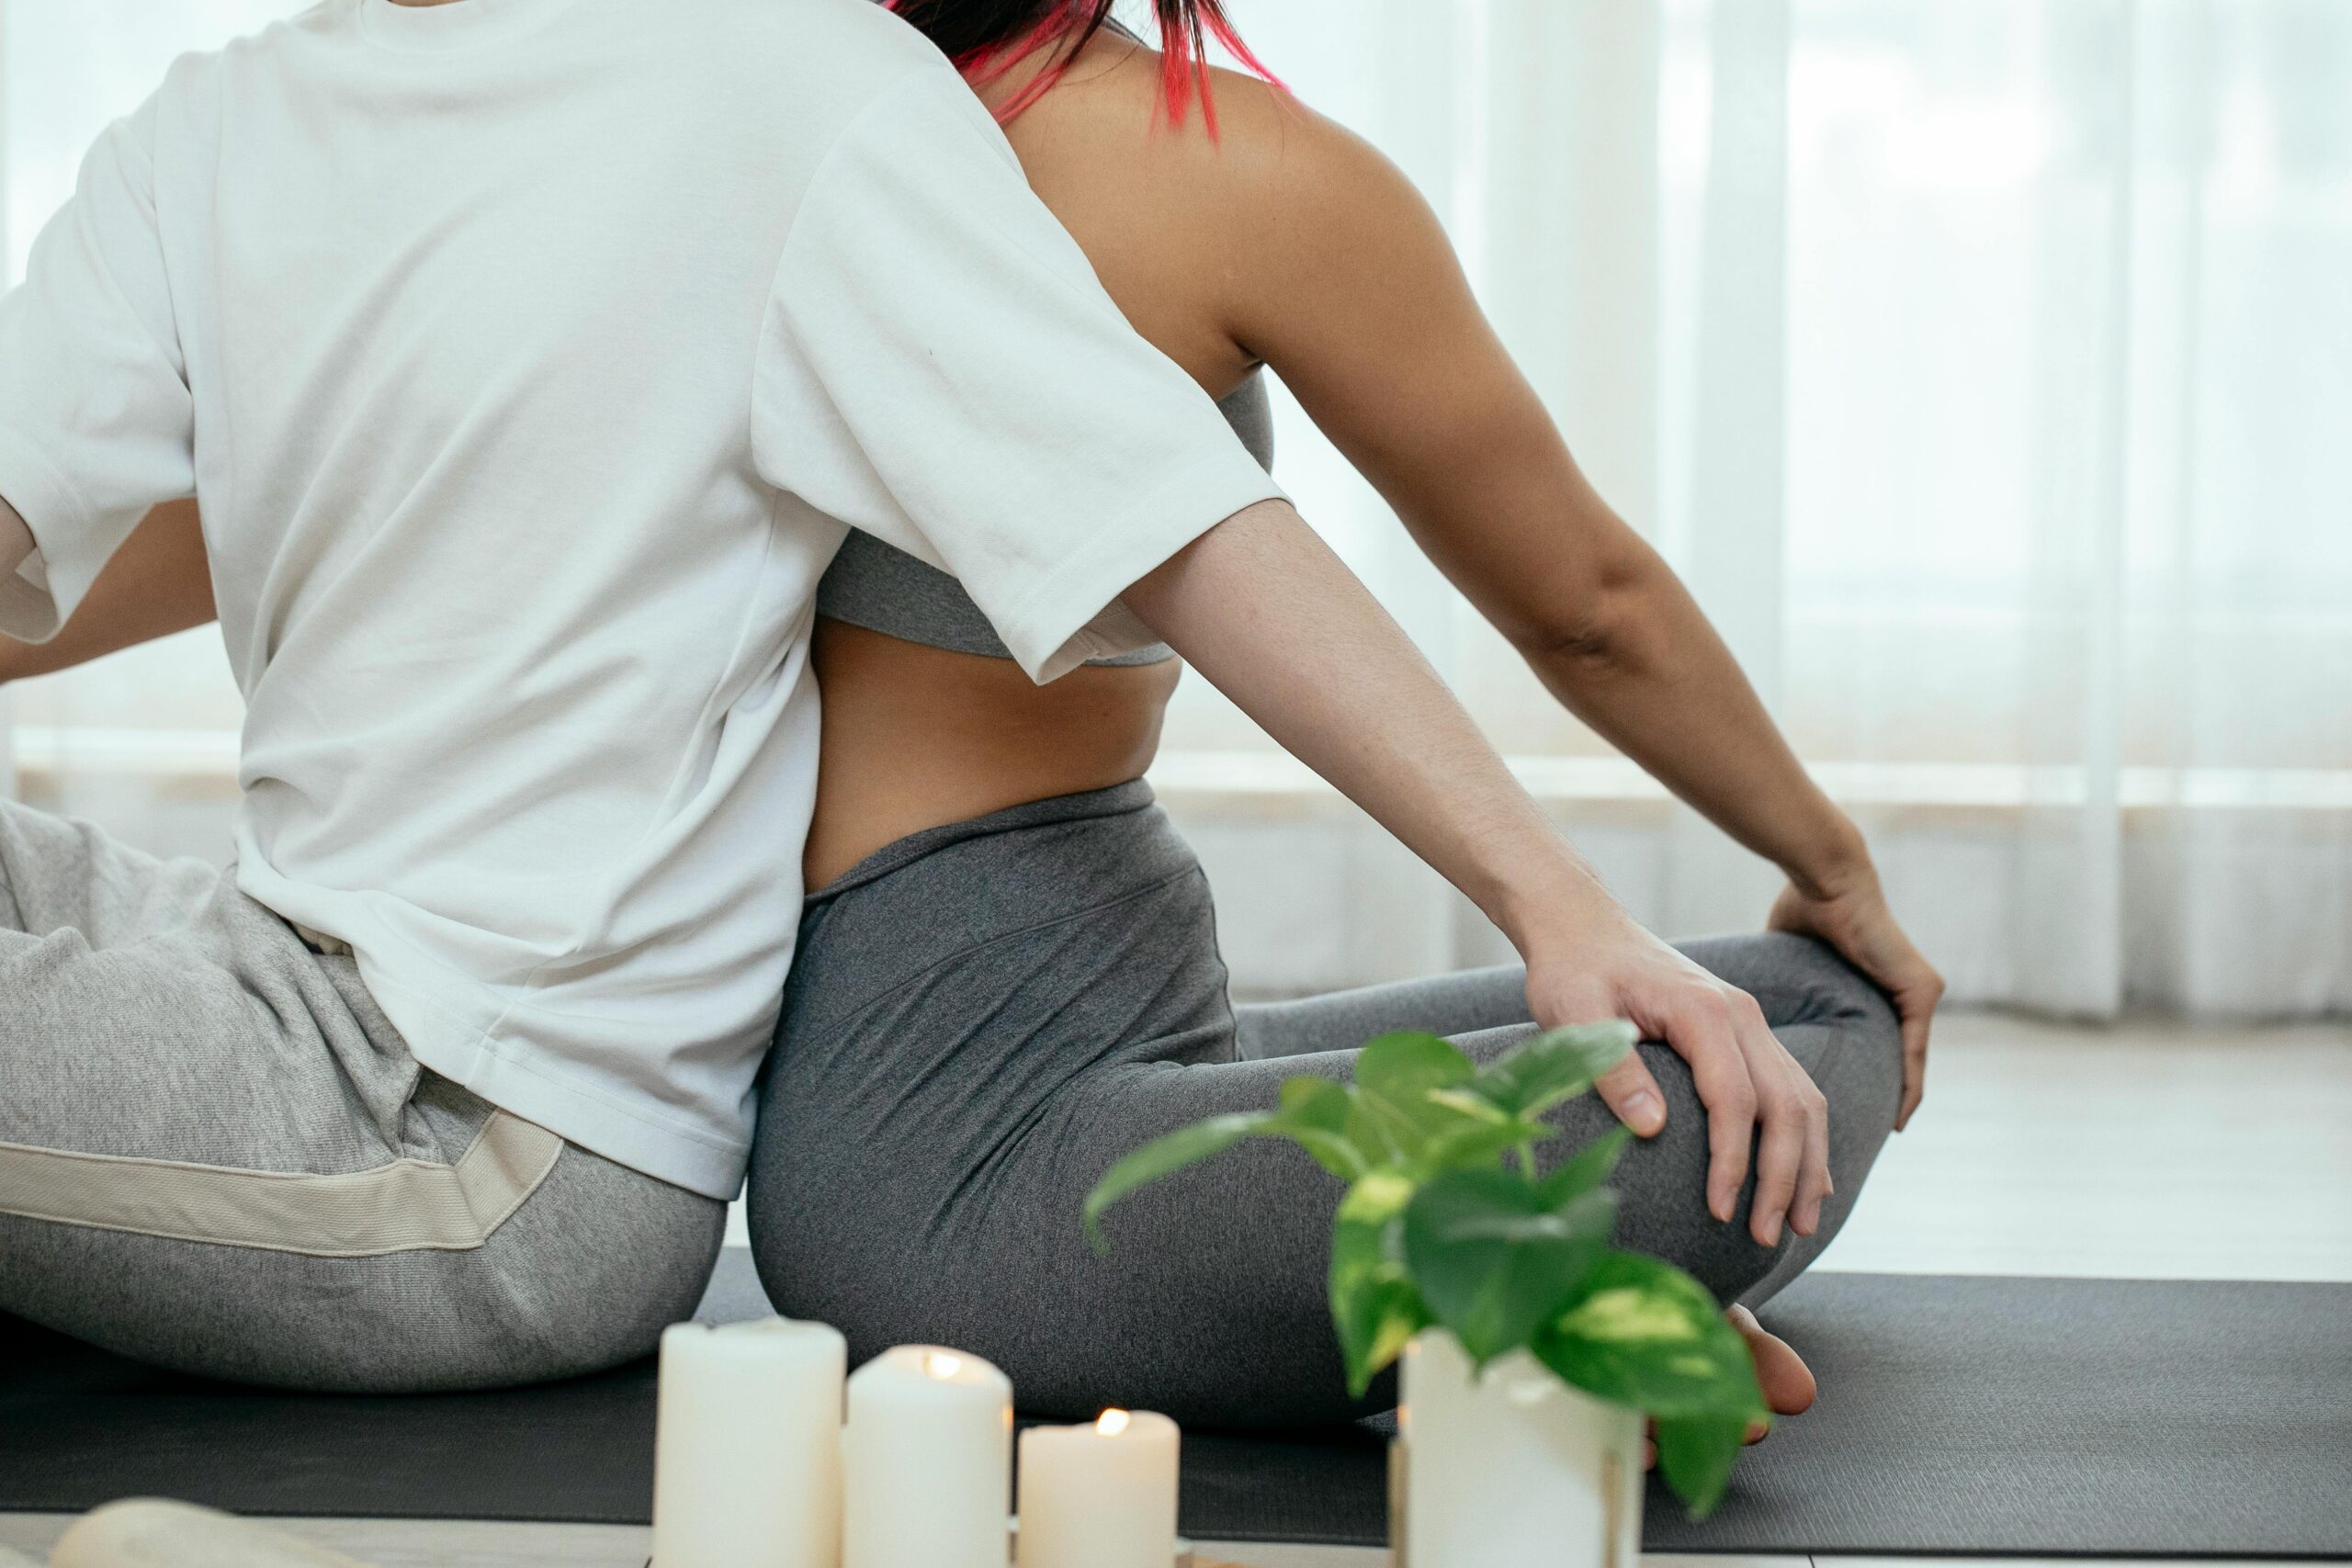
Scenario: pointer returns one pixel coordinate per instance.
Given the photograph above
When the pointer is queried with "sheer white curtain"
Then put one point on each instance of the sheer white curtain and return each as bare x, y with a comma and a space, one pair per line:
1986, 365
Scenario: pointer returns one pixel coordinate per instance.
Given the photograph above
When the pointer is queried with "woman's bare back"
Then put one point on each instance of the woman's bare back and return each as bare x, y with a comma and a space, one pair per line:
1150, 204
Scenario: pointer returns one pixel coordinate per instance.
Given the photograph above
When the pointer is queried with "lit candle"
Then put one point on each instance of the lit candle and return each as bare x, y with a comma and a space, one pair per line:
747, 1466
927, 1461
1100, 1497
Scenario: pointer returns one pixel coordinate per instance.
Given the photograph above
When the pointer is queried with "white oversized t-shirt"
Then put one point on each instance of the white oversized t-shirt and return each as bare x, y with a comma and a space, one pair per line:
528, 359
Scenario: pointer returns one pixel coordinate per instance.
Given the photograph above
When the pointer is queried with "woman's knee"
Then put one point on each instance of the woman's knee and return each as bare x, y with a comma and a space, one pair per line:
1831, 1017
1795, 979
1843, 1031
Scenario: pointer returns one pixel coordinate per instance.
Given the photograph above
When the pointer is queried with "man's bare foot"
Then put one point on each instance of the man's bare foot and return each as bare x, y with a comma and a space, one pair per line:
1781, 1372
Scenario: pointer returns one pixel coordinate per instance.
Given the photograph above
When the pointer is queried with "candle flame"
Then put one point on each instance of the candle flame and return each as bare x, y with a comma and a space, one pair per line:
943, 1367
1112, 1423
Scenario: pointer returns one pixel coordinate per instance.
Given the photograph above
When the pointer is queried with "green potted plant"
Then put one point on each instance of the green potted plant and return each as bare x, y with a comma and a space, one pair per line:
1532, 1348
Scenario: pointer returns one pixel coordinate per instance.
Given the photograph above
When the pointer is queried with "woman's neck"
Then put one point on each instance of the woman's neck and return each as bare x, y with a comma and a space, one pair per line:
1106, 49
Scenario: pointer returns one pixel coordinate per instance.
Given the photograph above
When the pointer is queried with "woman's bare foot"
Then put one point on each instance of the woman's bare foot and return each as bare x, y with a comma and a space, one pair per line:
1781, 1372
1787, 1382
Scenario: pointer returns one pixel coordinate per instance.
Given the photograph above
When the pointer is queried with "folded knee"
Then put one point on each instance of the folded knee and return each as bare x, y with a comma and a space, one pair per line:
1803, 980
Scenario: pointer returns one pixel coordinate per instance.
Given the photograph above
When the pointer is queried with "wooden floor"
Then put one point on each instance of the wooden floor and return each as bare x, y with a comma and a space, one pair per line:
2142, 1152
2159, 1152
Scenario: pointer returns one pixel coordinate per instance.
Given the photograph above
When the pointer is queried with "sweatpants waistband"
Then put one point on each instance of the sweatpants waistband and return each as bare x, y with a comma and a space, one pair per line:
1119, 799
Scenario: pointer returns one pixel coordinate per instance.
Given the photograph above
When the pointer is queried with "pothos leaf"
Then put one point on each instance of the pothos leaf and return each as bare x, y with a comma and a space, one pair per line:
1493, 1261
1643, 1333
1315, 1114
1695, 1453
1555, 1066
1375, 1306
1396, 1077
1477, 1142
1165, 1156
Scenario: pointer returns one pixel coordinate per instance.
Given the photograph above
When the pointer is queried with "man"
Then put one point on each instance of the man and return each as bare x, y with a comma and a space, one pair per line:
528, 359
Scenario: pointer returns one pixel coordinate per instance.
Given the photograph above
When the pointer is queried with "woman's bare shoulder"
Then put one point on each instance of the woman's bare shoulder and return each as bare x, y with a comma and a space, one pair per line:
1266, 156
1200, 234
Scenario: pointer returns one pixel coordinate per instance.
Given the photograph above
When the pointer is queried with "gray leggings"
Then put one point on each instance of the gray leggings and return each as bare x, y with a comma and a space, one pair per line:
983, 1017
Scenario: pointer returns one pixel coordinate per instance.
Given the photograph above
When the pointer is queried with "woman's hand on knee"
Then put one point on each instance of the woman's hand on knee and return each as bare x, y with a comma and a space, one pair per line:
1756, 1094
1853, 917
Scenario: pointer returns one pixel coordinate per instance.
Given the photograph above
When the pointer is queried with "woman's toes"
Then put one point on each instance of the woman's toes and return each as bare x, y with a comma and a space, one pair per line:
1787, 1382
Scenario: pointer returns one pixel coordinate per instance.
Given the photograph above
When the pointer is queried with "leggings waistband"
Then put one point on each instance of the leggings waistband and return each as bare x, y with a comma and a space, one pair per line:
1118, 800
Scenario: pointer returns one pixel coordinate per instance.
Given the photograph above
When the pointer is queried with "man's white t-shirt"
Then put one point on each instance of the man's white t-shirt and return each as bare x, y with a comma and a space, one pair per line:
528, 359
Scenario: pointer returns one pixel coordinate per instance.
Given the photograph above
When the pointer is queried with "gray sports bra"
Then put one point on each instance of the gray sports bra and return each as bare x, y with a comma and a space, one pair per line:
884, 589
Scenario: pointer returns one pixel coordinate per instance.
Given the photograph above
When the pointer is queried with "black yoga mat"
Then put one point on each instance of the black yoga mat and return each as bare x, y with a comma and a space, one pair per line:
1957, 1416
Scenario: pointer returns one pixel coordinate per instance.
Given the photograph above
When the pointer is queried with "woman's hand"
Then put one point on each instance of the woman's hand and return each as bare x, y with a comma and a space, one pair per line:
1754, 1090
1850, 913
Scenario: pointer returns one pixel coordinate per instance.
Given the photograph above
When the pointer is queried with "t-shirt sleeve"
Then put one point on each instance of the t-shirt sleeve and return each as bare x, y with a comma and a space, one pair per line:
940, 367
95, 420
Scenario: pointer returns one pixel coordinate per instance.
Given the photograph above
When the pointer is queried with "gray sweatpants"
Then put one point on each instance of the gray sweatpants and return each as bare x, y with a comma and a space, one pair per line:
982, 1018
216, 1153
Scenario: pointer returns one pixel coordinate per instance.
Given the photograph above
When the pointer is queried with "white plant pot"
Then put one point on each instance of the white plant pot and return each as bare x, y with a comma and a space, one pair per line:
1511, 1469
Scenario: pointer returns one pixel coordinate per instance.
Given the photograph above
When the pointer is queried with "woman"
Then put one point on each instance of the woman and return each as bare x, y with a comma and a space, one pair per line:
1008, 973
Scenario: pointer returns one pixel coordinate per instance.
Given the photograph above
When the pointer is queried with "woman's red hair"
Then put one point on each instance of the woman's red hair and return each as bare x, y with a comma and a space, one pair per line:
988, 37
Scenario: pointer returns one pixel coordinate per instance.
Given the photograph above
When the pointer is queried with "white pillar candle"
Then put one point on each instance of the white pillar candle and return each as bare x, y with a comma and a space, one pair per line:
1514, 1466
927, 1461
747, 1465
1100, 1496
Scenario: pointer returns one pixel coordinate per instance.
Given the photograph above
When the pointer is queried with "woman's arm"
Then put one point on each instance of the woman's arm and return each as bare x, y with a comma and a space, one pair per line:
1334, 680
1350, 289
158, 583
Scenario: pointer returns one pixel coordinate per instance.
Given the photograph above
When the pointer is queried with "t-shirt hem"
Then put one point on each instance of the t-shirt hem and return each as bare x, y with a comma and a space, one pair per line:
518, 1080
51, 509
1053, 628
